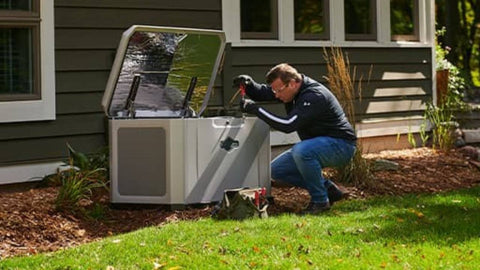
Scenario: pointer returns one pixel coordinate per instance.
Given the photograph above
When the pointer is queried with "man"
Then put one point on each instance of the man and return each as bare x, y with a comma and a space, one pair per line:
327, 138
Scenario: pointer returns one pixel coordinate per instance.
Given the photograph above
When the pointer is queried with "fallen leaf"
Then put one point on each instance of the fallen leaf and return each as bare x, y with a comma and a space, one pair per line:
157, 266
256, 249
222, 250
301, 225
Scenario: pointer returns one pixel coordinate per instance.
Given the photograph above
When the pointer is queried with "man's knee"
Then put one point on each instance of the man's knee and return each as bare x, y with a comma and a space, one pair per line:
300, 150
275, 173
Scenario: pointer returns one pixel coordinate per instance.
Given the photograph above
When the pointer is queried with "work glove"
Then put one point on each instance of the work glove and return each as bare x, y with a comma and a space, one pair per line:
242, 79
248, 106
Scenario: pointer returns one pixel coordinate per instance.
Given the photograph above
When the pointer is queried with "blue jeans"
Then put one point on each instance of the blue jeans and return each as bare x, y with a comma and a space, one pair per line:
302, 165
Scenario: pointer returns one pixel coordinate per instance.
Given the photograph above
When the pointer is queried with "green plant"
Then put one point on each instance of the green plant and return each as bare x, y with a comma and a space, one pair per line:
456, 83
77, 185
411, 138
358, 170
443, 125
88, 162
424, 134
442, 115
78, 178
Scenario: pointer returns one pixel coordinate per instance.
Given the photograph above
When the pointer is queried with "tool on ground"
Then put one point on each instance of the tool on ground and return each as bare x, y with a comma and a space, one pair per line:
242, 203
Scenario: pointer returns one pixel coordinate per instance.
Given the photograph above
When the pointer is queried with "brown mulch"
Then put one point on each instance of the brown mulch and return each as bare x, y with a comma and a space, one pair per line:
30, 224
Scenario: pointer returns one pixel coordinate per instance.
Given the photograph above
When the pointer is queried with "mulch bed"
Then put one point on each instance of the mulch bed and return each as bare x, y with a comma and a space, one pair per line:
29, 223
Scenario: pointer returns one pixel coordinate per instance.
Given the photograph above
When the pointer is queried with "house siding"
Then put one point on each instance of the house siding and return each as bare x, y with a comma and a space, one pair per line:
87, 33
395, 82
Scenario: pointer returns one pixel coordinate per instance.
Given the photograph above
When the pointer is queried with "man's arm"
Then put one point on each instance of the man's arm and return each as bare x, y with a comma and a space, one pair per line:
301, 115
259, 92
285, 124
254, 90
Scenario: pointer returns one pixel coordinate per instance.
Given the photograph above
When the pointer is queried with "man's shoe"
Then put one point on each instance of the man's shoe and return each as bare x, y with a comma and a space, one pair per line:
334, 194
316, 208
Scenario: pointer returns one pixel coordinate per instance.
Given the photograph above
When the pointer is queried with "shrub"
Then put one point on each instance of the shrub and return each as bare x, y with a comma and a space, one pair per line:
442, 115
83, 175
77, 185
358, 171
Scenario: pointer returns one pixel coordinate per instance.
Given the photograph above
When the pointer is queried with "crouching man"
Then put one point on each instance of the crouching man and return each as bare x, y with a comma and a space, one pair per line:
327, 138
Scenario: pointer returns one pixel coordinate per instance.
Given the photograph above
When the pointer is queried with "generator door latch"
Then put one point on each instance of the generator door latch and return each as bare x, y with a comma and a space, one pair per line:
229, 144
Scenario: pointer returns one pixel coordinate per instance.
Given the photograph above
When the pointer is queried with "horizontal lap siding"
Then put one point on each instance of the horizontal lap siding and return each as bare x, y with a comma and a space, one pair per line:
87, 33
395, 82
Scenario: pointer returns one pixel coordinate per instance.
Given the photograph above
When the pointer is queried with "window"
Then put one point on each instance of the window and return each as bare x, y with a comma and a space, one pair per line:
19, 54
360, 20
320, 23
404, 20
27, 76
311, 19
259, 19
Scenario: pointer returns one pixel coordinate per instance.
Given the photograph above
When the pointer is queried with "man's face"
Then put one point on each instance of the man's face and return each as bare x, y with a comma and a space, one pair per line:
283, 91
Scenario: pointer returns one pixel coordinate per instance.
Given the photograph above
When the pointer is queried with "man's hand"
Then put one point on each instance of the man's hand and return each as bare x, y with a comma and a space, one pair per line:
248, 106
242, 79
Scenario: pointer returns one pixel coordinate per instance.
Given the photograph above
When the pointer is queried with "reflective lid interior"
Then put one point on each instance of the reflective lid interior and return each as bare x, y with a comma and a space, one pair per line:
154, 67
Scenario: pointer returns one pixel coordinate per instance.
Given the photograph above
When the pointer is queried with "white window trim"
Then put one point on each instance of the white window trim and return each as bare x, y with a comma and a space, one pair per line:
231, 26
43, 109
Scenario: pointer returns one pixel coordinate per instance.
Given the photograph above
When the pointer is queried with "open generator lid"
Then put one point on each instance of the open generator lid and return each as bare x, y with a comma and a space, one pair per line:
155, 67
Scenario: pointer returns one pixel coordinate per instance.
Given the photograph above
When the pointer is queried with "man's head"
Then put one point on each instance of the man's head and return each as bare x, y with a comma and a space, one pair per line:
285, 81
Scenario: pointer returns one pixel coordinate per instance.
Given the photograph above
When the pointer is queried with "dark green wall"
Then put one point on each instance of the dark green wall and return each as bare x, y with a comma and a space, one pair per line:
395, 82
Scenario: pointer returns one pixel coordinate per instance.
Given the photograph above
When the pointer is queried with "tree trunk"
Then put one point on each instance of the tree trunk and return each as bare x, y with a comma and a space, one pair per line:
442, 86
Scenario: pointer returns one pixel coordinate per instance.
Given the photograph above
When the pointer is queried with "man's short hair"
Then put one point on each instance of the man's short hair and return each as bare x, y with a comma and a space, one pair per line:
283, 71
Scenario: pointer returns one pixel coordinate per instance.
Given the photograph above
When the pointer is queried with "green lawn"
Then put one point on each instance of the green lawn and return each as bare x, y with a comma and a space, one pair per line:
439, 231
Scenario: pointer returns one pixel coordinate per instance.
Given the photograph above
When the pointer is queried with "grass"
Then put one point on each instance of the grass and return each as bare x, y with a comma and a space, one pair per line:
413, 232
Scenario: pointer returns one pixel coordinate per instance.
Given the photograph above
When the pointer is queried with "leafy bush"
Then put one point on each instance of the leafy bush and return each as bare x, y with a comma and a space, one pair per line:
83, 175
456, 83
442, 115
77, 185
